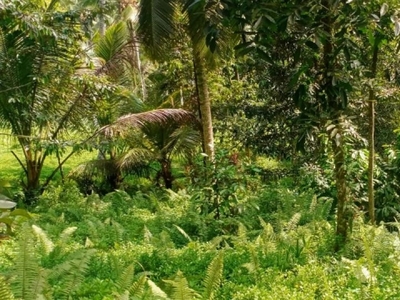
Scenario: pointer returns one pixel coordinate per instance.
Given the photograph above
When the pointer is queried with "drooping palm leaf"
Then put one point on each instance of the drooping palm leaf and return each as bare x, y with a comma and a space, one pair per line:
139, 120
183, 141
135, 159
156, 25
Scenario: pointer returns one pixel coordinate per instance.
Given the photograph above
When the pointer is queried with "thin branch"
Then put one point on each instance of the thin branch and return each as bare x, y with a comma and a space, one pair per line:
14, 88
20, 162
50, 177
69, 112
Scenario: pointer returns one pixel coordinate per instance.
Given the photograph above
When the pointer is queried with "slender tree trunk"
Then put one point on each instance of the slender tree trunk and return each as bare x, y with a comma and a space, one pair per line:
136, 50
166, 173
102, 22
204, 105
330, 99
371, 140
343, 205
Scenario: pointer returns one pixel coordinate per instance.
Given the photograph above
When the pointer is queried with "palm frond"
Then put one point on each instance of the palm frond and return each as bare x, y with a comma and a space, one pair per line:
92, 168
109, 48
156, 25
135, 158
196, 19
183, 141
213, 277
139, 120
181, 289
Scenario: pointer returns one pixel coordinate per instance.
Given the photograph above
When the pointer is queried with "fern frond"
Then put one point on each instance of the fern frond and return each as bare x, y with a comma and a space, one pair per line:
181, 289
72, 272
183, 232
213, 277
147, 235
66, 234
124, 296
5, 292
29, 278
156, 291
118, 230
267, 238
125, 279
242, 232
313, 204
41, 283
47, 244
137, 288
293, 222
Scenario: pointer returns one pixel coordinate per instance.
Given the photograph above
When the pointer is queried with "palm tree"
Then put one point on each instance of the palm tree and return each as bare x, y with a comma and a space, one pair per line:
152, 136
157, 26
40, 92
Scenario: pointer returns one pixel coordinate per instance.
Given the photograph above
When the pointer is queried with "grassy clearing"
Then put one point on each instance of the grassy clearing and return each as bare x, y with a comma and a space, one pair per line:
11, 173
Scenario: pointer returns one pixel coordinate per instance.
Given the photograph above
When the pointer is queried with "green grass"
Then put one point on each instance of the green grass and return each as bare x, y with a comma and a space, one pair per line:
11, 172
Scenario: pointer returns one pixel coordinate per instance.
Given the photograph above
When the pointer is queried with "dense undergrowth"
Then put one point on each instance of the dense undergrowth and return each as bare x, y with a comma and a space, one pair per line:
277, 244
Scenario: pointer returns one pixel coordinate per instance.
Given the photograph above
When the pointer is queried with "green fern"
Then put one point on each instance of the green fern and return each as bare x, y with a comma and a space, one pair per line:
29, 279
156, 291
293, 222
213, 277
66, 235
254, 266
183, 233
127, 289
47, 244
71, 273
267, 239
181, 289
5, 292
137, 288
125, 279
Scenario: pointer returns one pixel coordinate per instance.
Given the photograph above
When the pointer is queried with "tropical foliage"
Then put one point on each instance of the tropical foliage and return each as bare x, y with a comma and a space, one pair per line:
199, 149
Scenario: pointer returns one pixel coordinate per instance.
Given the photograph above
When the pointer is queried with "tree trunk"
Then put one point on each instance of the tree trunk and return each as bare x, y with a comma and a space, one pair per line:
32, 188
371, 139
343, 205
102, 22
204, 105
166, 173
329, 98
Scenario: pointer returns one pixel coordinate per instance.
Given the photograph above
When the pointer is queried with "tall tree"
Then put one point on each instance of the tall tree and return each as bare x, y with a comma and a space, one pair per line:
157, 25
40, 91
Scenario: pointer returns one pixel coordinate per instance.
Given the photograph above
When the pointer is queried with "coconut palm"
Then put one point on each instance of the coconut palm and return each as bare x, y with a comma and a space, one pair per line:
157, 25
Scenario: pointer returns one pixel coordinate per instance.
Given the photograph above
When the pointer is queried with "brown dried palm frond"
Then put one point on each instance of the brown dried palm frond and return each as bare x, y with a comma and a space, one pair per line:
157, 116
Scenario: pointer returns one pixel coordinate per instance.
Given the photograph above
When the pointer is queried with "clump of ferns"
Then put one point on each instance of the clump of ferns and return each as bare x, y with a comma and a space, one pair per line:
30, 278
180, 289
129, 286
